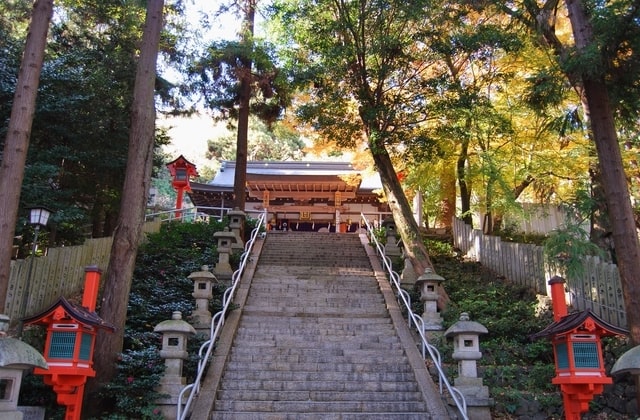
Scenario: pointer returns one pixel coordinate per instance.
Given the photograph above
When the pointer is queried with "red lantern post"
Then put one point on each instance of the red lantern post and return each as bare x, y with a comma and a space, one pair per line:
577, 350
71, 335
181, 171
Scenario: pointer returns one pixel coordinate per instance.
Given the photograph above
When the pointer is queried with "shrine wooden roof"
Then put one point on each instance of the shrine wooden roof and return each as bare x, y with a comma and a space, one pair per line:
291, 181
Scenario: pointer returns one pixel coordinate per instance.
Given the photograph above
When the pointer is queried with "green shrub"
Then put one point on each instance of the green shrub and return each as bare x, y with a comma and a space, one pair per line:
133, 390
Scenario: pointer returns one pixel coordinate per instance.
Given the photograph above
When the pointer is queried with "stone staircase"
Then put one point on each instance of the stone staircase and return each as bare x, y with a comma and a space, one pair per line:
315, 340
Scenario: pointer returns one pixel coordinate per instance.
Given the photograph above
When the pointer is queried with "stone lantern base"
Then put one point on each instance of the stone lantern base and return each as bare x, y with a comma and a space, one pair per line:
169, 405
477, 397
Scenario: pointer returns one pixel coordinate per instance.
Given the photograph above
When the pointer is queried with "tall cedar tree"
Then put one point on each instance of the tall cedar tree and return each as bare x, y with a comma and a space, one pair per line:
244, 98
128, 233
603, 127
16, 144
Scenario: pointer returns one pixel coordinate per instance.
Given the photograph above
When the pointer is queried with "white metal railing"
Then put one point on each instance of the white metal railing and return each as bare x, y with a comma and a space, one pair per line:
187, 214
217, 322
193, 214
418, 322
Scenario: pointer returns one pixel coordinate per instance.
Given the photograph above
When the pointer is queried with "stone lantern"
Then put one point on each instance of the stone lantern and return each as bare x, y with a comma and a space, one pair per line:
408, 275
629, 362
223, 270
466, 350
391, 249
428, 284
236, 224
203, 282
15, 357
174, 351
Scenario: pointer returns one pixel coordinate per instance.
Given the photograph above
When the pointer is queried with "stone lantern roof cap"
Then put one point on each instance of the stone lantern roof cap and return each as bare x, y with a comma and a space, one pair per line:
204, 274
175, 325
429, 275
465, 326
17, 354
628, 362
226, 233
236, 212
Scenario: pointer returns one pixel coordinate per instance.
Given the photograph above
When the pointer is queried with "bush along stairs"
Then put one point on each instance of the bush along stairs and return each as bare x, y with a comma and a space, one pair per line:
316, 336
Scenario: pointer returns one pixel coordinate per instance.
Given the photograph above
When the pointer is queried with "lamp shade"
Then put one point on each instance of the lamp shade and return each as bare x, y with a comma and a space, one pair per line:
39, 215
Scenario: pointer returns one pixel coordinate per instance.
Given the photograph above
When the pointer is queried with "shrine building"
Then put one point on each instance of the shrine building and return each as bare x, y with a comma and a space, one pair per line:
298, 195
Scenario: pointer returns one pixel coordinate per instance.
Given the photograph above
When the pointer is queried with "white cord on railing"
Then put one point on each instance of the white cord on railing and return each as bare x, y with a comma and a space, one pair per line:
418, 322
217, 322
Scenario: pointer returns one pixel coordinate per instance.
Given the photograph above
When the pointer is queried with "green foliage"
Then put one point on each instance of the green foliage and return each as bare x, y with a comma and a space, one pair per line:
217, 75
132, 392
163, 265
512, 366
79, 138
565, 249
510, 233
275, 142
160, 287
436, 248
380, 234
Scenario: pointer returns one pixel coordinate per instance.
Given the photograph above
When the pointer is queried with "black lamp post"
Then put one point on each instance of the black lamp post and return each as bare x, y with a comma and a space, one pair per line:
38, 216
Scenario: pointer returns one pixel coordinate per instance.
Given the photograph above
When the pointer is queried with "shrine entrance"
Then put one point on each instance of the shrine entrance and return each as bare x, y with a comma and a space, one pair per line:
303, 196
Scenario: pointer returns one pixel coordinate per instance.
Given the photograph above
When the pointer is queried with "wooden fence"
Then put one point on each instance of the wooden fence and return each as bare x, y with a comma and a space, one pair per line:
59, 273
598, 290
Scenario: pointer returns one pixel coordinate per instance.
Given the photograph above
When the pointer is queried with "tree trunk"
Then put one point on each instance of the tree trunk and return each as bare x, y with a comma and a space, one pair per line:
624, 233
465, 190
16, 144
128, 233
600, 223
245, 76
448, 195
406, 224
402, 214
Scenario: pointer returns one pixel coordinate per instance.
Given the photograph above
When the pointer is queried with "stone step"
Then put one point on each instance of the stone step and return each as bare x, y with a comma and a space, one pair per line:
313, 312
304, 359
322, 367
319, 407
319, 416
315, 339
316, 290
317, 322
298, 394
357, 354
317, 263
345, 381
277, 271
309, 306
315, 296
310, 340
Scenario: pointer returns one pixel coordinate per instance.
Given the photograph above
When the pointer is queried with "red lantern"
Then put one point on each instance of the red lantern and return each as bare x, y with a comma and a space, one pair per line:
181, 170
71, 334
577, 350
